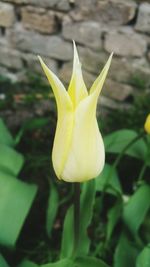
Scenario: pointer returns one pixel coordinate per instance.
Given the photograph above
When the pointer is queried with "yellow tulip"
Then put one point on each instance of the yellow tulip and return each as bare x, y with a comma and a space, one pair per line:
78, 152
147, 124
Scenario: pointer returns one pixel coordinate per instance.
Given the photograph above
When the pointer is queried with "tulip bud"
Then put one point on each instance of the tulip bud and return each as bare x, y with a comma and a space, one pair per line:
147, 124
78, 152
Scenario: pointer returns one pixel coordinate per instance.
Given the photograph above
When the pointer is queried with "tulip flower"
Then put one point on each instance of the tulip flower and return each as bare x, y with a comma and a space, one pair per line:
147, 124
78, 152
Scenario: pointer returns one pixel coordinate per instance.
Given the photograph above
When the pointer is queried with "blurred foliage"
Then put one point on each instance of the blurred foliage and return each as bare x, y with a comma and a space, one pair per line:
31, 92
132, 117
138, 82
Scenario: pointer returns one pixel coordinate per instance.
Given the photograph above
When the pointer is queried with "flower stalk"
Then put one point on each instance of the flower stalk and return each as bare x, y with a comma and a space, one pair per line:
76, 217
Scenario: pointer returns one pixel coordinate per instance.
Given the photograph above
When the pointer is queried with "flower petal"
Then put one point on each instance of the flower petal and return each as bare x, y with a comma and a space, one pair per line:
86, 153
98, 84
61, 95
77, 89
64, 122
63, 137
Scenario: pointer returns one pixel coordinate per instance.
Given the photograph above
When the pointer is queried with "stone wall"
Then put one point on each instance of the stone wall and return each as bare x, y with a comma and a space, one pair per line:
47, 27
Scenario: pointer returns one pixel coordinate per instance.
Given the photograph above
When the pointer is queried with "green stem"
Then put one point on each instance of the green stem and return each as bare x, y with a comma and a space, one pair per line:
143, 169
141, 135
76, 217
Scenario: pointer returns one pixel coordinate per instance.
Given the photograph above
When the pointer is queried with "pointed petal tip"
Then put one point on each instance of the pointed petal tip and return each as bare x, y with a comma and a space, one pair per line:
40, 59
108, 63
44, 66
75, 49
76, 60
98, 84
110, 57
74, 44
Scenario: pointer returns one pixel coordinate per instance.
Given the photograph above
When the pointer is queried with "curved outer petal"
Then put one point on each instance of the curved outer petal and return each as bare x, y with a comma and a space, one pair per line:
64, 122
62, 98
86, 154
77, 89
98, 84
62, 140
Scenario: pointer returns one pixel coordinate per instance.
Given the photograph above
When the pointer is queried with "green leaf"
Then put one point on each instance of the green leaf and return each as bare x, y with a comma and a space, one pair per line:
3, 263
113, 217
36, 123
125, 254
5, 136
61, 263
110, 178
16, 198
86, 212
10, 160
79, 262
143, 259
136, 208
90, 262
68, 234
117, 141
53, 204
26, 263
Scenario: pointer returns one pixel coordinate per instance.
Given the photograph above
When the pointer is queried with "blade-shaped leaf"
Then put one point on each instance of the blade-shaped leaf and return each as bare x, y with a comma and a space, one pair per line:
5, 136
143, 259
89, 262
113, 216
26, 263
10, 160
125, 254
86, 212
61, 263
136, 208
3, 263
110, 178
16, 198
53, 204
68, 235
117, 141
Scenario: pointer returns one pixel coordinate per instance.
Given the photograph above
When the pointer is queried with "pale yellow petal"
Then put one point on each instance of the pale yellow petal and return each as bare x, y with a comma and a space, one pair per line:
98, 84
147, 124
77, 89
64, 121
61, 146
60, 93
86, 153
